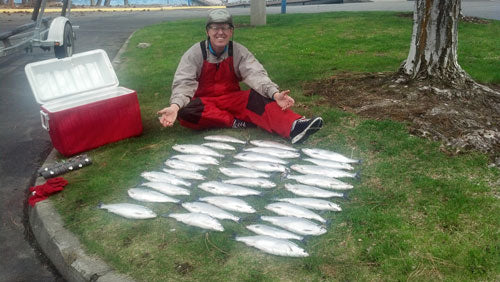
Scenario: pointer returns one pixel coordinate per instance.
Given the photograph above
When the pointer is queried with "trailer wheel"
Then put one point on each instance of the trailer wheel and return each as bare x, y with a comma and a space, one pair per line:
66, 49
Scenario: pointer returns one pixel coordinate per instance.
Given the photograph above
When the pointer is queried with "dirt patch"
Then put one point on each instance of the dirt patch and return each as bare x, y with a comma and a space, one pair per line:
461, 119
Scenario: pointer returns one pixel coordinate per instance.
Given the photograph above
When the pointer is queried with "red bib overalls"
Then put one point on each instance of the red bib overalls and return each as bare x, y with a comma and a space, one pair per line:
219, 100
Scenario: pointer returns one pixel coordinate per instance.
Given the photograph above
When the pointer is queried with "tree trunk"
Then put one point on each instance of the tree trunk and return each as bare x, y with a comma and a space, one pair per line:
125, 2
92, 3
107, 3
433, 50
11, 3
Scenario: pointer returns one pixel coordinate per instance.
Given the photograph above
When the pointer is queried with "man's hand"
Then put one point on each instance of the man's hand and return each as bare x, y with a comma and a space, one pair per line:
168, 115
283, 100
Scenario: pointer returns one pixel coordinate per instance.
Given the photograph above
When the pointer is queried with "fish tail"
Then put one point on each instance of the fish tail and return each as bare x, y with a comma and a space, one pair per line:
357, 175
284, 174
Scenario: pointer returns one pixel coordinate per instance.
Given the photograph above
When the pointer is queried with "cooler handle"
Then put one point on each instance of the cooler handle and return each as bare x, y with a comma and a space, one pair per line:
45, 120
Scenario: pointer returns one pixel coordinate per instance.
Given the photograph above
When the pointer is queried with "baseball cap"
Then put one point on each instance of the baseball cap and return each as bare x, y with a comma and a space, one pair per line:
219, 16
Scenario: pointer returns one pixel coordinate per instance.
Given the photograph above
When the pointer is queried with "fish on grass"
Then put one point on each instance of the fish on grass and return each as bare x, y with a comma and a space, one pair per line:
242, 172
211, 210
147, 195
220, 188
127, 210
168, 189
274, 246
263, 166
158, 176
257, 157
331, 164
229, 203
287, 209
196, 150
275, 152
263, 229
185, 174
178, 164
297, 225
219, 145
312, 203
200, 220
328, 155
320, 181
271, 144
321, 170
311, 191
197, 159
224, 138
251, 182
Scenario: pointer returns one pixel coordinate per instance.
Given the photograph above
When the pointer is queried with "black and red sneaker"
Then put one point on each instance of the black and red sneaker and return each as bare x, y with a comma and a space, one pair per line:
304, 128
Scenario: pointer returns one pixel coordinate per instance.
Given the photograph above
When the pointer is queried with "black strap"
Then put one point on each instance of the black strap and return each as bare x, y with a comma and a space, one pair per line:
203, 50
230, 49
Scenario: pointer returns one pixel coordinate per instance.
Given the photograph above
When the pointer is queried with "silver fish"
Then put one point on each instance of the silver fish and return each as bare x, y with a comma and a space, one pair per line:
251, 182
288, 209
229, 203
186, 174
312, 203
201, 220
262, 166
271, 144
178, 164
297, 225
332, 164
146, 195
321, 170
166, 188
197, 159
158, 176
242, 172
274, 246
195, 150
310, 191
129, 210
275, 152
224, 138
256, 157
209, 209
263, 229
220, 188
328, 155
219, 145
320, 181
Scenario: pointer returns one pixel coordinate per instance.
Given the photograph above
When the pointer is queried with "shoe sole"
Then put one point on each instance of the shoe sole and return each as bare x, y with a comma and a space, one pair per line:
311, 129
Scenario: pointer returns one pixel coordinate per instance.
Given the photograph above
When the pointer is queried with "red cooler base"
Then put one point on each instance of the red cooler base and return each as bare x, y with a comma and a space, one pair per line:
92, 125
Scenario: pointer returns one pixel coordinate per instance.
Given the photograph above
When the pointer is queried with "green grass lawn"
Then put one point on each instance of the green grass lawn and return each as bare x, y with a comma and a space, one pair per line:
415, 214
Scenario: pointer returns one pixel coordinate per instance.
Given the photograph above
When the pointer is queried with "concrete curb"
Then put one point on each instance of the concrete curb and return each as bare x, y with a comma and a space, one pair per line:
61, 246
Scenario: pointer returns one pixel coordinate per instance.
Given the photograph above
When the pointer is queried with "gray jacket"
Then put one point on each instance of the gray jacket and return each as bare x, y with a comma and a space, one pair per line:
247, 69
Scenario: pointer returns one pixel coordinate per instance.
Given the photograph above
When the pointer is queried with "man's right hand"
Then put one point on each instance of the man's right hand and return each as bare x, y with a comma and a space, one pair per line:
168, 115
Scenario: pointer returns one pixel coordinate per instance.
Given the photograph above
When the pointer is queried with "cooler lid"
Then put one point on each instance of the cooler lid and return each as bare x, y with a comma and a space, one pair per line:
61, 78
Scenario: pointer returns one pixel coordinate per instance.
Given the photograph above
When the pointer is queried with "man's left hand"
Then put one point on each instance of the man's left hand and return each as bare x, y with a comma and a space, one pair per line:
283, 100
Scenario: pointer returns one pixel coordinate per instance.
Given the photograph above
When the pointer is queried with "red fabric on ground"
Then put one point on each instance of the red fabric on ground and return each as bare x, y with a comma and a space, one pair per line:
43, 191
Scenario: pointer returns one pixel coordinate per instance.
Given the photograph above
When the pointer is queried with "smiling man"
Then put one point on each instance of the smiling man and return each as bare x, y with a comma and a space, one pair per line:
206, 91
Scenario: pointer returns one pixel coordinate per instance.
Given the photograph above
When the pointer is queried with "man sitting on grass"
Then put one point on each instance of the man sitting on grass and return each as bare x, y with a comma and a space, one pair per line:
206, 91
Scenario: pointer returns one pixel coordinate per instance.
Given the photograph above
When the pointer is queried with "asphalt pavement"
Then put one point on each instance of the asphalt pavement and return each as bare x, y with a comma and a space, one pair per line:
25, 145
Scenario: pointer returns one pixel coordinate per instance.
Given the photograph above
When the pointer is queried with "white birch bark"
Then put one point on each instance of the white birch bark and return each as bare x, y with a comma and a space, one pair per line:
433, 50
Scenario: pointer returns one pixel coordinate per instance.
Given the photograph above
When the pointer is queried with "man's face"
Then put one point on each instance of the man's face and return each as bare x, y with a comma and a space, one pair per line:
220, 34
